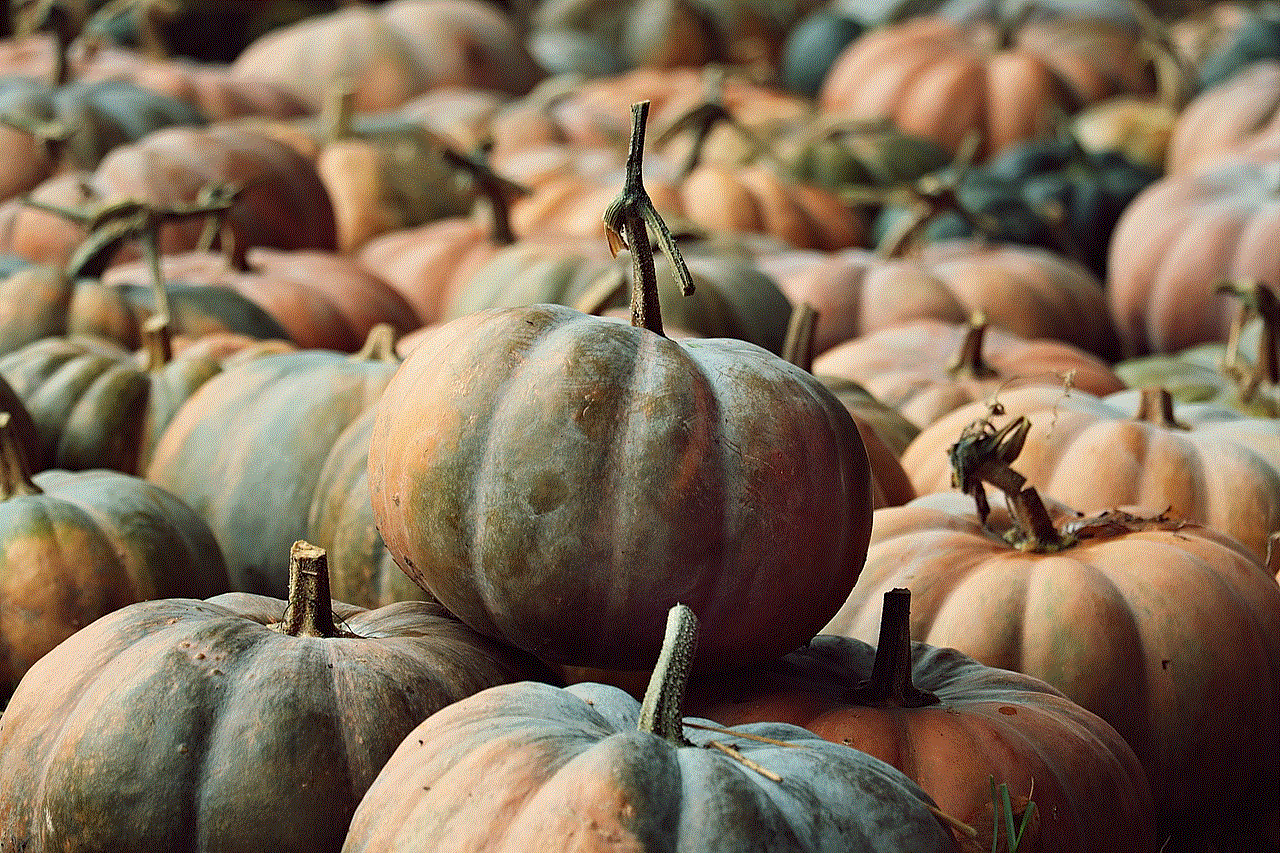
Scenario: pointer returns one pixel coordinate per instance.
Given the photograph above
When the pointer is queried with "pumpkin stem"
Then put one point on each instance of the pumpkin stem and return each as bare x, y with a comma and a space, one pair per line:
157, 342
379, 345
1155, 406
890, 684
52, 16
310, 610
1256, 299
968, 362
624, 223
937, 193
702, 118
660, 712
1174, 81
15, 470
983, 455
495, 189
797, 346
338, 111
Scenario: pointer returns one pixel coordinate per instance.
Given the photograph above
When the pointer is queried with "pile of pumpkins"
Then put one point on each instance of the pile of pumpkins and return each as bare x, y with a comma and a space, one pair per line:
679, 425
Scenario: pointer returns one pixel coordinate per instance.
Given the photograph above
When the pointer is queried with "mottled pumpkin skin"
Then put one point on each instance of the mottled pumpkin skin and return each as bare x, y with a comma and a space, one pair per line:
361, 569
1170, 635
99, 406
561, 481
988, 722
247, 449
543, 768
90, 544
210, 731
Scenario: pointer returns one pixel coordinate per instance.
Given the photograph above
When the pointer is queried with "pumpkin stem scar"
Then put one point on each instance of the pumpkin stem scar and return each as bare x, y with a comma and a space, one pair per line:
890, 684
660, 713
310, 610
15, 470
624, 223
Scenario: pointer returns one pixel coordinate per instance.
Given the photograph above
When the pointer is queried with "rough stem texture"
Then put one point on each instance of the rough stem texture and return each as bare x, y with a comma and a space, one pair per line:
969, 362
625, 220
890, 683
660, 713
310, 611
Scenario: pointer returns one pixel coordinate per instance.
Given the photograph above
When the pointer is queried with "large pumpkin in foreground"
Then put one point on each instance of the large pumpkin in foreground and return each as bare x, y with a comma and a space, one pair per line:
560, 480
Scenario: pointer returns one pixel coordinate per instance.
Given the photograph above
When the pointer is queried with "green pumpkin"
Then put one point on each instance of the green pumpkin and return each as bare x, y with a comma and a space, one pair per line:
76, 546
527, 767
235, 724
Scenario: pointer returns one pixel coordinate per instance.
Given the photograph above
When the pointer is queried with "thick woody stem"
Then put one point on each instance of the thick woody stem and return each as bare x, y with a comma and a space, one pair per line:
969, 362
891, 684
1155, 406
15, 470
797, 346
625, 222
1037, 531
310, 610
661, 713
157, 342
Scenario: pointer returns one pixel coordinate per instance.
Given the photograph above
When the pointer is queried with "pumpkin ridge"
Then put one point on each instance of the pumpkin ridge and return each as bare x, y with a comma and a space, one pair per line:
564, 324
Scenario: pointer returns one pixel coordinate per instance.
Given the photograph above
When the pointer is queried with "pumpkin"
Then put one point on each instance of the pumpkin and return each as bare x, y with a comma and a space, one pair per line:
589, 767
1043, 192
77, 546
361, 569
708, 471
1206, 463
954, 726
265, 428
890, 485
228, 723
942, 79
277, 199
732, 297
72, 127
927, 368
1243, 374
393, 52
1181, 236
321, 299
1239, 116
1028, 291
1168, 630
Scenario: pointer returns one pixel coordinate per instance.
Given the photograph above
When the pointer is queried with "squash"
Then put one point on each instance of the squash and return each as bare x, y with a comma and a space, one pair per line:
1205, 463
229, 723
927, 368
266, 428
589, 768
954, 726
1167, 629
706, 471
77, 546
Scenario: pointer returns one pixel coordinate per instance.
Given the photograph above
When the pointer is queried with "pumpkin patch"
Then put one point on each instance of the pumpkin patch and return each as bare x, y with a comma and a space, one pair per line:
643, 347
